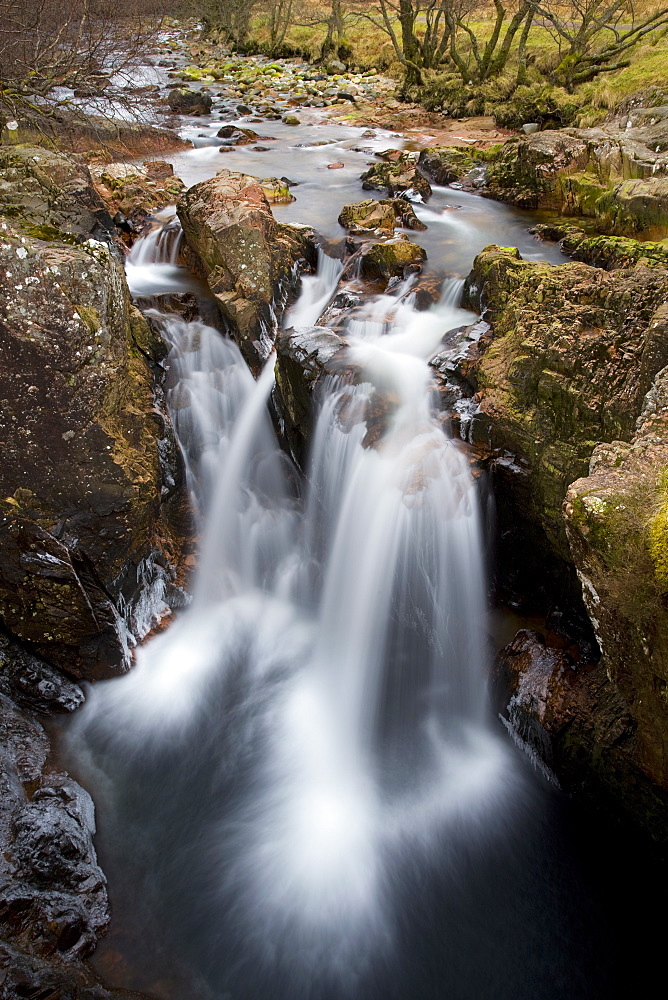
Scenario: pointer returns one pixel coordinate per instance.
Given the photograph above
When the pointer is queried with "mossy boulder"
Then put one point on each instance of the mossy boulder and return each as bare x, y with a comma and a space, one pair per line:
397, 177
40, 188
246, 257
90, 470
183, 101
613, 252
276, 191
446, 164
381, 217
135, 189
574, 351
616, 176
391, 258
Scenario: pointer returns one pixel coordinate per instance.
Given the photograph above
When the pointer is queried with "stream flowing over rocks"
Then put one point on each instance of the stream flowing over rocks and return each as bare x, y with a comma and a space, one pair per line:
294, 397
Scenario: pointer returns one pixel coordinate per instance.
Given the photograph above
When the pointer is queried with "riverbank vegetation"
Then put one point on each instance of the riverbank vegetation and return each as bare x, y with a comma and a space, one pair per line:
526, 60
556, 64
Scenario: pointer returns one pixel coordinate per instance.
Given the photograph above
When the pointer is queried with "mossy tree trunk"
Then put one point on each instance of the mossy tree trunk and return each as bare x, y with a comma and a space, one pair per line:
335, 30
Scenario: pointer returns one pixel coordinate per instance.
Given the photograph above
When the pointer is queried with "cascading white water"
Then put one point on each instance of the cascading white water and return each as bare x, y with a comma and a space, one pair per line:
152, 266
338, 638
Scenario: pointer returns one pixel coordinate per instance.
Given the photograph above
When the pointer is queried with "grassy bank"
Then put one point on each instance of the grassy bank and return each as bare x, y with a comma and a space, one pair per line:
367, 47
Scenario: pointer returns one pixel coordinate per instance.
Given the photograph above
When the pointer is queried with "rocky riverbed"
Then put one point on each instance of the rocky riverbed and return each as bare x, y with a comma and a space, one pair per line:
560, 392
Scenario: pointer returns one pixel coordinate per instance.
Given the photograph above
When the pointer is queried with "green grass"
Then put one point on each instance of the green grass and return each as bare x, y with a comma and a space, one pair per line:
371, 48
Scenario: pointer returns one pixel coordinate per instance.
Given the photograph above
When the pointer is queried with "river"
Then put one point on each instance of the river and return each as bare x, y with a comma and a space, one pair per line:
302, 790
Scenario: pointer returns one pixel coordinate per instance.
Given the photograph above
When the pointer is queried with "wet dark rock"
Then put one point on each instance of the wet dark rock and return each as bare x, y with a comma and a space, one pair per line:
34, 684
238, 136
243, 109
53, 897
53, 894
576, 720
123, 223
28, 976
183, 101
303, 359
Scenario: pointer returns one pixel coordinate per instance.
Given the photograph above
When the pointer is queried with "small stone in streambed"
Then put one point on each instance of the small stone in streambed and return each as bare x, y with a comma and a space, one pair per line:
335, 166
291, 120
243, 109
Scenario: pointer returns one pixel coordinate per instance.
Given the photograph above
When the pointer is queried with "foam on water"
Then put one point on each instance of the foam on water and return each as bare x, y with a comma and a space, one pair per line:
331, 667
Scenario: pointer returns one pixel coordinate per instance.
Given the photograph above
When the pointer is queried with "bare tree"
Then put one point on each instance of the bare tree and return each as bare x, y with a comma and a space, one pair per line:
427, 34
335, 29
280, 19
415, 50
477, 62
44, 47
230, 19
595, 36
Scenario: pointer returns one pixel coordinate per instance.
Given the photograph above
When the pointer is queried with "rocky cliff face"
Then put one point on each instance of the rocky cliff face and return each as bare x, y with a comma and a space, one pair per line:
574, 351
571, 407
91, 518
89, 459
616, 174
247, 258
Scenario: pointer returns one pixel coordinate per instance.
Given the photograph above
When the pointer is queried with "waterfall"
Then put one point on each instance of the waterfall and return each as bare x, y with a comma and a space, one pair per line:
321, 704
152, 266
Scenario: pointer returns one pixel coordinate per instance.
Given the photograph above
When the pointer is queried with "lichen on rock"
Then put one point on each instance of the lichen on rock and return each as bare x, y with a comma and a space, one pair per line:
84, 479
247, 258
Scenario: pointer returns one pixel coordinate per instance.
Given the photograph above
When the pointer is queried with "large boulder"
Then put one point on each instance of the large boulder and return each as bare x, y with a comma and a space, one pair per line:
616, 175
183, 101
381, 217
90, 471
247, 258
42, 190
